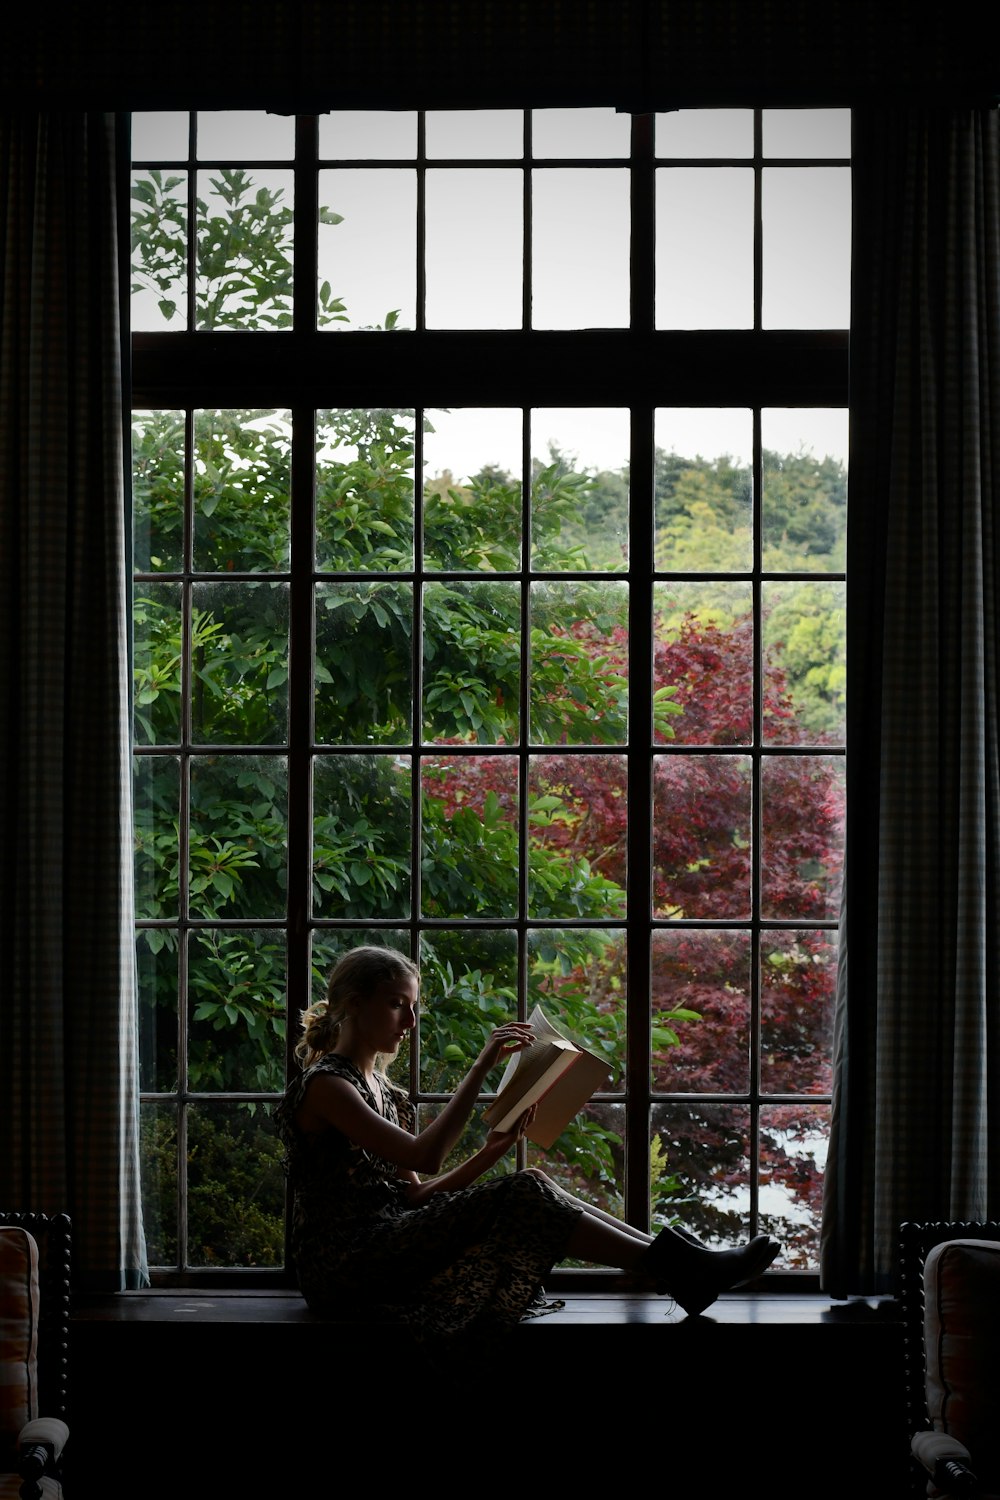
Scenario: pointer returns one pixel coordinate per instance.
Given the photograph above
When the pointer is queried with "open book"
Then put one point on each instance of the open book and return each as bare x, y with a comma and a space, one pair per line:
554, 1074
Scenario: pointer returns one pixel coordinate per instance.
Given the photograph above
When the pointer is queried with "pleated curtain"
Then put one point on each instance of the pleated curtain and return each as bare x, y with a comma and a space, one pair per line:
68, 1052
916, 1111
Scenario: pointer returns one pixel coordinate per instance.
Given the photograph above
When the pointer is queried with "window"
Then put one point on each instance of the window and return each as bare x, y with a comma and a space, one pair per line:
490, 503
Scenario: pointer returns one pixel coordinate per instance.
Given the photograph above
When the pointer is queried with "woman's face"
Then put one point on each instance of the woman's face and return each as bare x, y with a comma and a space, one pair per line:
389, 1013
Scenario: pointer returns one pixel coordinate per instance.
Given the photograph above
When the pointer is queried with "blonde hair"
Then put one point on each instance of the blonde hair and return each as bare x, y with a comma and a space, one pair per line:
354, 977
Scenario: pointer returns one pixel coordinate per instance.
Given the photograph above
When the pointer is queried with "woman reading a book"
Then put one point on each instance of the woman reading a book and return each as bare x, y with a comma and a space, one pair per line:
376, 1222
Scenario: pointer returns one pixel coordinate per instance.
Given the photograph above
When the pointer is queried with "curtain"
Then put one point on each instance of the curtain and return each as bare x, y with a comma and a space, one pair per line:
915, 1130
68, 1032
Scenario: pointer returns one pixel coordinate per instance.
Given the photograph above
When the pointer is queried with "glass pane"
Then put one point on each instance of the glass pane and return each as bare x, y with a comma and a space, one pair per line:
239, 836
158, 491
364, 490
578, 976
245, 135
156, 969
805, 663
244, 274
159, 250
472, 489
798, 982
806, 227
579, 488
468, 986
470, 862
472, 667
156, 815
236, 998
581, 235
580, 132
804, 520
242, 478
588, 1159
806, 132
701, 1011
704, 132
367, 249
803, 832
703, 489
577, 836
363, 663
793, 1149
704, 247
159, 135
361, 837
156, 659
239, 663
236, 1199
700, 1170
158, 1176
703, 663
579, 663
483, 133
485, 209
368, 134
701, 836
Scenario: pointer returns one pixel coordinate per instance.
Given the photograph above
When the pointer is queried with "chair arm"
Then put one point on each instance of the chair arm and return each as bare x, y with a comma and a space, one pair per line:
948, 1462
40, 1441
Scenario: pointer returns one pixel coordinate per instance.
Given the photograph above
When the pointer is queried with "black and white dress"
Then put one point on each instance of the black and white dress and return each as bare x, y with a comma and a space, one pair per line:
465, 1263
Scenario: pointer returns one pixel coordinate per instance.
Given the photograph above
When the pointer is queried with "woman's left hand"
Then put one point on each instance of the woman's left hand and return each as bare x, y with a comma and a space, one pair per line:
512, 1036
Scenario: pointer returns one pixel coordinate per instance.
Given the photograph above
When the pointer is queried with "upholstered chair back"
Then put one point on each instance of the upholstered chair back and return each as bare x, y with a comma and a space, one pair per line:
19, 1304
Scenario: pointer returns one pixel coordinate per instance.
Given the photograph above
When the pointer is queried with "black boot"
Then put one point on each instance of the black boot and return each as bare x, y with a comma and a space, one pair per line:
694, 1276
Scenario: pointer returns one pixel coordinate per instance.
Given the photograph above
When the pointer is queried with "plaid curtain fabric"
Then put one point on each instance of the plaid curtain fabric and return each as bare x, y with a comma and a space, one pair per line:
68, 1052
916, 1118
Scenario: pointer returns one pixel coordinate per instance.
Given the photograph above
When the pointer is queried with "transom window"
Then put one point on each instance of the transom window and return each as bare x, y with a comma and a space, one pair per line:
506, 628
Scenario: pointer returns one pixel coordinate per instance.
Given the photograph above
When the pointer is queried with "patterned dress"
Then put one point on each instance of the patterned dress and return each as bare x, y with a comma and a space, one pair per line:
462, 1266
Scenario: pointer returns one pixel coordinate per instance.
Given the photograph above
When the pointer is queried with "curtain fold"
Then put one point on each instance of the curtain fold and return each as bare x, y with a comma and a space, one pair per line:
68, 1033
915, 1131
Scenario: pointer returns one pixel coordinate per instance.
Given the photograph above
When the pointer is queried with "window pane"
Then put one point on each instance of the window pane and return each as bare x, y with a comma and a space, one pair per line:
239, 666
701, 836
368, 134
580, 248
468, 985
484, 209
156, 813
576, 816
159, 250
159, 135
701, 1011
472, 489
579, 489
793, 1151
156, 660
805, 663
704, 247
236, 994
156, 971
158, 1172
806, 219
580, 132
705, 132
803, 829
364, 663
798, 982
470, 816
244, 277
806, 132
472, 668
804, 511
245, 135
157, 491
237, 1186
242, 478
482, 133
588, 1159
704, 489
367, 249
579, 663
239, 836
364, 491
703, 663
701, 1169
328, 945
361, 837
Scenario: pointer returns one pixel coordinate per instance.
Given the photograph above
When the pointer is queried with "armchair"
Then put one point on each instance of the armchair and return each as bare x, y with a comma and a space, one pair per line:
34, 1331
950, 1293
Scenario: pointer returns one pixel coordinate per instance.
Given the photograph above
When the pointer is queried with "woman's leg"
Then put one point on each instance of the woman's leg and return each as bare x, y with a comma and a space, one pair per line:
592, 1210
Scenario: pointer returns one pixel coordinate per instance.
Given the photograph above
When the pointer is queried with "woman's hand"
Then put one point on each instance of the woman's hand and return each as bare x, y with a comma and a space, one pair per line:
502, 1140
512, 1036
